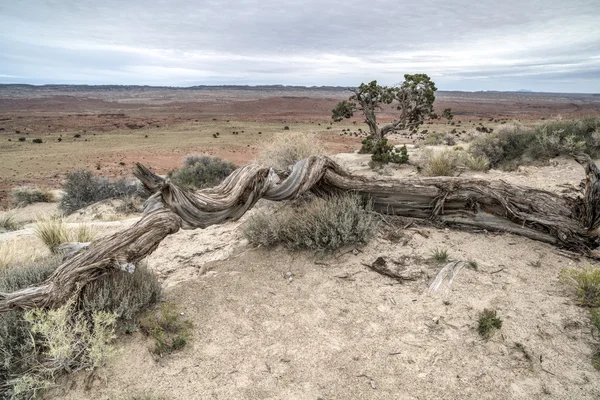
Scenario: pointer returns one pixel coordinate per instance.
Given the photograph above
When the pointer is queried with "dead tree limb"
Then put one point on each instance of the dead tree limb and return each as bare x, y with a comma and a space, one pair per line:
565, 221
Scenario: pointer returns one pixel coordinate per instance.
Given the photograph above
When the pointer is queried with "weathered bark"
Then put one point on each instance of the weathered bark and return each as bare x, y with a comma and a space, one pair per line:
474, 204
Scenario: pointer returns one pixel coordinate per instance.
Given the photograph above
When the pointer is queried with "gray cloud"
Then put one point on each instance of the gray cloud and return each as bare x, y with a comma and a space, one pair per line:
463, 45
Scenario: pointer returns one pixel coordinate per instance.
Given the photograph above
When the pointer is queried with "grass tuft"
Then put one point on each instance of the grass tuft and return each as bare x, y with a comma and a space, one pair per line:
488, 322
440, 255
8, 222
169, 331
52, 231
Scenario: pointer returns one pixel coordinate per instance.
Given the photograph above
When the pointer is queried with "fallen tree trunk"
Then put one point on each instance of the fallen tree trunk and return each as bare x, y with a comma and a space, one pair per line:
475, 204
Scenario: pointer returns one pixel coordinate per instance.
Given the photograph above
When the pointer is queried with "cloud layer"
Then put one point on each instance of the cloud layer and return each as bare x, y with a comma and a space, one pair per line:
462, 45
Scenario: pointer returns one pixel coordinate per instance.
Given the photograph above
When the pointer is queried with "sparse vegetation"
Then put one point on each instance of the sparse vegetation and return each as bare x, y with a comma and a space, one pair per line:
440, 163
488, 323
513, 145
52, 231
472, 265
39, 344
8, 222
82, 188
320, 224
201, 171
169, 331
586, 283
24, 196
286, 150
125, 295
440, 255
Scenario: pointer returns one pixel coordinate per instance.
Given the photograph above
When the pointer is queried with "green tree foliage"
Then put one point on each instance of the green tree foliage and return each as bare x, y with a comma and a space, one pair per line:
412, 99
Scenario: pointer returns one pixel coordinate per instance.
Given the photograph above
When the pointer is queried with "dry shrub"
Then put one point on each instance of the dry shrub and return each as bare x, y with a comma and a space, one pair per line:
289, 148
25, 196
514, 145
201, 171
82, 188
38, 344
320, 224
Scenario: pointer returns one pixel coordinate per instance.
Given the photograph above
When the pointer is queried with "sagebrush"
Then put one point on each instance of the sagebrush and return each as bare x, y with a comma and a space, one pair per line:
514, 145
37, 345
201, 171
320, 224
24, 196
83, 188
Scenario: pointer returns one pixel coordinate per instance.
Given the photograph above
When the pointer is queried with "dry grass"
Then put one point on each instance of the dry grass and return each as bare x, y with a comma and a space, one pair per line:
289, 148
8, 222
53, 231
8, 254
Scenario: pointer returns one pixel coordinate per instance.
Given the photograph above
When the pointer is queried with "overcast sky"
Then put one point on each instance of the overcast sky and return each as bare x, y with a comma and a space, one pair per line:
541, 45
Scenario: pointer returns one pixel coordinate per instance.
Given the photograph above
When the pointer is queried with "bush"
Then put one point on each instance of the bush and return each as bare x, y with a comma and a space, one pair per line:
125, 295
25, 196
82, 188
382, 152
514, 145
37, 141
69, 342
287, 150
16, 345
488, 322
70, 337
201, 171
321, 224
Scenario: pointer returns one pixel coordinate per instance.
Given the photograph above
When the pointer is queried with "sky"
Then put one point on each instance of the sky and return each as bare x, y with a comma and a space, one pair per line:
539, 45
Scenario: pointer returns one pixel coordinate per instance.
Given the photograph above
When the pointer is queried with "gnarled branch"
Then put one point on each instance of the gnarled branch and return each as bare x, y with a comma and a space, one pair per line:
474, 204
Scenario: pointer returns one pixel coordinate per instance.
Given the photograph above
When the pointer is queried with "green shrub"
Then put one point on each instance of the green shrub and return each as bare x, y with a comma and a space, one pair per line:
440, 163
169, 331
488, 322
16, 345
321, 224
69, 338
82, 188
25, 196
201, 172
37, 141
69, 341
514, 145
382, 152
123, 294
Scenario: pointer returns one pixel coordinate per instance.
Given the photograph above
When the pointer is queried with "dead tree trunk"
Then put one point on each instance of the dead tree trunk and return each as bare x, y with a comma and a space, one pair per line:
474, 204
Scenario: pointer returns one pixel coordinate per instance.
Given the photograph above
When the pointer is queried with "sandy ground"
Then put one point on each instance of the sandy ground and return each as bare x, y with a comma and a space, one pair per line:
275, 324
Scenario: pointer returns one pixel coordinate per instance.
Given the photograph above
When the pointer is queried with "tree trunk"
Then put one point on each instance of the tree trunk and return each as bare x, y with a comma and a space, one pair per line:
472, 204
